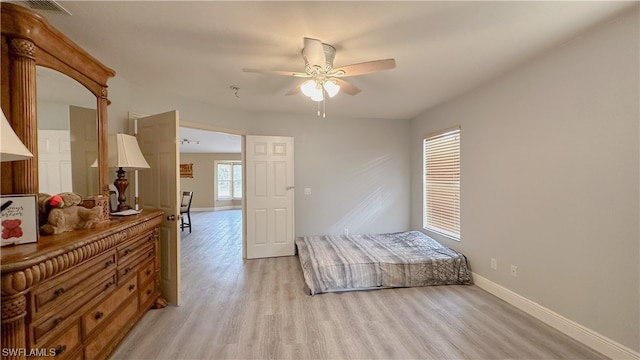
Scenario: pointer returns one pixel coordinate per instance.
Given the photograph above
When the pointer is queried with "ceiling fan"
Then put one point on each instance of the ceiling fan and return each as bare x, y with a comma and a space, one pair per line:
323, 78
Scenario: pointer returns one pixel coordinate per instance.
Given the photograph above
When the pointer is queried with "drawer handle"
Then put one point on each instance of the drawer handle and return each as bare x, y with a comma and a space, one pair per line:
57, 321
150, 238
127, 251
59, 349
148, 272
149, 291
98, 315
126, 271
108, 285
58, 292
131, 287
108, 263
150, 253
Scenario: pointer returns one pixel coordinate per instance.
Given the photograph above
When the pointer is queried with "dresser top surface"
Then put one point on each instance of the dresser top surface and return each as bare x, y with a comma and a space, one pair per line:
17, 257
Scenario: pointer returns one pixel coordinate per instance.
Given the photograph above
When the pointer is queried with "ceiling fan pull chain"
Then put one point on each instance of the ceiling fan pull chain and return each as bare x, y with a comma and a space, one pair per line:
324, 101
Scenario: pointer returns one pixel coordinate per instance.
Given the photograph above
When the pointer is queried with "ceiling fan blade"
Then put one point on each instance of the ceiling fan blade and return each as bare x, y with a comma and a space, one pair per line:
294, 91
365, 68
276, 72
313, 52
345, 87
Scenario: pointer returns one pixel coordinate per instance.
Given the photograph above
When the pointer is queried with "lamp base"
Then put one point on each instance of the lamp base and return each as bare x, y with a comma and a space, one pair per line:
121, 184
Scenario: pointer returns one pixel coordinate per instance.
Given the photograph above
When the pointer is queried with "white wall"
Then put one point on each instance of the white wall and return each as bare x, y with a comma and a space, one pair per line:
53, 116
357, 169
550, 178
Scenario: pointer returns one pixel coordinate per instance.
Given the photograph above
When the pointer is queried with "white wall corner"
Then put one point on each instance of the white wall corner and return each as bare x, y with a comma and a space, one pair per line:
583, 334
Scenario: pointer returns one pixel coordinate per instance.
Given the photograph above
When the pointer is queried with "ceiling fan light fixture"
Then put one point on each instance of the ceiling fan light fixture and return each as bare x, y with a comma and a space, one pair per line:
318, 94
308, 87
313, 90
322, 77
331, 87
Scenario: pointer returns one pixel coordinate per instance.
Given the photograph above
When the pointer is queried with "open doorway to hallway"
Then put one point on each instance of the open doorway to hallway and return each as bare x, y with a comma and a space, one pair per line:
212, 169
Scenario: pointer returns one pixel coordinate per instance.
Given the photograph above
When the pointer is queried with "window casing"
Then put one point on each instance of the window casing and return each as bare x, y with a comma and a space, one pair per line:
441, 180
228, 180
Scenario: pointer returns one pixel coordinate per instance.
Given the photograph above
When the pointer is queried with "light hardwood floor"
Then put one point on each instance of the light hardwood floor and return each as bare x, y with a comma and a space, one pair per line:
257, 309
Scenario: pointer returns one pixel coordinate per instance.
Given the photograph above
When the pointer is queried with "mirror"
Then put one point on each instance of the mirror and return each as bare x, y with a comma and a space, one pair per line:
29, 41
67, 135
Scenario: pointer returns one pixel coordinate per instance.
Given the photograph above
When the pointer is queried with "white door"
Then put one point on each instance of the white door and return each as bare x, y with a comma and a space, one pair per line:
158, 189
54, 158
269, 196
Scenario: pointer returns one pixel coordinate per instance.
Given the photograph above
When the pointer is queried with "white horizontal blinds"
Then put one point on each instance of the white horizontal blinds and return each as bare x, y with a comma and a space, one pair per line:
442, 182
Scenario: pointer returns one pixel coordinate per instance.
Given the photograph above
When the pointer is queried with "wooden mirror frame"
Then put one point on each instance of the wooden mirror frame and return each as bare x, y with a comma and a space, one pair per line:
29, 40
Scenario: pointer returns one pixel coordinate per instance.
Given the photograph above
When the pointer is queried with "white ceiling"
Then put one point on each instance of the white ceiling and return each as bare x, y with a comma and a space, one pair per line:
442, 49
203, 141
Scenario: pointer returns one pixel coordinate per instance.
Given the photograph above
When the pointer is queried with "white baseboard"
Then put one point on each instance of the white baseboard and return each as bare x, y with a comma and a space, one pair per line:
585, 335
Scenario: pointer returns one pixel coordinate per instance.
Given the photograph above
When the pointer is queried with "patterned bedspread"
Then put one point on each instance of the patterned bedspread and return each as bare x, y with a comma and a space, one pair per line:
403, 259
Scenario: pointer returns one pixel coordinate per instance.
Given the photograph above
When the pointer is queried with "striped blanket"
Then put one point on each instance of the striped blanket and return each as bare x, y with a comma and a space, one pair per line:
403, 259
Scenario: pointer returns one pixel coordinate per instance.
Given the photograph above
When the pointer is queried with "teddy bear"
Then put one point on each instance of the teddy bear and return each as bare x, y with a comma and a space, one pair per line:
62, 212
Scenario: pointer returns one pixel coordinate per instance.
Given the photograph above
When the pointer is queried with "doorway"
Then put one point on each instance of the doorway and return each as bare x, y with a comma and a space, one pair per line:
269, 177
215, 160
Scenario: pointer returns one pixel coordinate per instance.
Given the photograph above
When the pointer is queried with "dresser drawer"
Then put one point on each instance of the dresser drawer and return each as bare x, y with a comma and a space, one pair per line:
131, 248
64, 289
44, 329
146, 272
102, 312
64, 346
117, 325
133, 263
147, 295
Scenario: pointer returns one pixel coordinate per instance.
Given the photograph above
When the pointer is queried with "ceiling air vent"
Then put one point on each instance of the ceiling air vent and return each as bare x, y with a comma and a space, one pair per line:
48, 5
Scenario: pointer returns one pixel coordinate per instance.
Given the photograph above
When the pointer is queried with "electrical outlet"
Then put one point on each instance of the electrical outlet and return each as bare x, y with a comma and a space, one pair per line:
514, 270
345, 232
494, 264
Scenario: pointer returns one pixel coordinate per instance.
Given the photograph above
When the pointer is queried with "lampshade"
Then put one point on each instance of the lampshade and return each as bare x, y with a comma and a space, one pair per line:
11, 148
331, 87
308, 87
318, 94
124, 152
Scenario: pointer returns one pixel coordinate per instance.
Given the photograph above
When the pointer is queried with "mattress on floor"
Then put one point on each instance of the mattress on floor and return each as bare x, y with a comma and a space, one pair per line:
333, 263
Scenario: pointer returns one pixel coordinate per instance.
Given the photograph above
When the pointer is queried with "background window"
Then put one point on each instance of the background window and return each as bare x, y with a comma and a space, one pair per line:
237, 180
442, 182
229, 180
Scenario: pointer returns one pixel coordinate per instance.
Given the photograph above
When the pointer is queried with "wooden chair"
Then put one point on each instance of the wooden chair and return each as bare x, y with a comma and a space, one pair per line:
185, 208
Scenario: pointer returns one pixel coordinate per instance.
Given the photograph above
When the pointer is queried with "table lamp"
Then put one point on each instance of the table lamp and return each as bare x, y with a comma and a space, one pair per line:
124, 153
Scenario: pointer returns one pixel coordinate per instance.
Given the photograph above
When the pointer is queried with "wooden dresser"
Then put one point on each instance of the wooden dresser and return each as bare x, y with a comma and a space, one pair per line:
76, 295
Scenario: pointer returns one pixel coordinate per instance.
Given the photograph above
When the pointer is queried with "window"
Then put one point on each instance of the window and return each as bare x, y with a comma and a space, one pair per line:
442, 182
229, 180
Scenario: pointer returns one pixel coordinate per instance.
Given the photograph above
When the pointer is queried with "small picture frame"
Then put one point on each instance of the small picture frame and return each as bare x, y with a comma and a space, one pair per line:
186, 170
19, 219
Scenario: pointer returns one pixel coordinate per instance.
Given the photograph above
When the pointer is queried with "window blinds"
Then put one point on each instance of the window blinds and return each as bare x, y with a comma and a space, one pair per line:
442, 182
